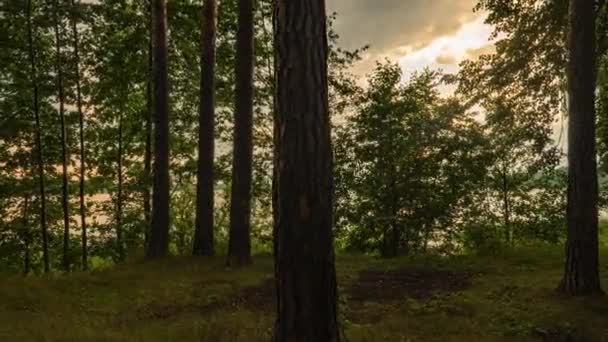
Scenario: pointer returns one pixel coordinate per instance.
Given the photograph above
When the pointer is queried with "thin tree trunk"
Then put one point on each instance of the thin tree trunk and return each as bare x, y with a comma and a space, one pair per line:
148, 148
581, 275
65, 260
203, 243
304, 258
159, 234
39, 154
119, 239
506, 206
26, 236
239, 244
83, 214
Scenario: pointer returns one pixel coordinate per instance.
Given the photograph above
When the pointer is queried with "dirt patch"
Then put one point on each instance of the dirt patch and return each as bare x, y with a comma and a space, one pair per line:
376, 293
383, 286
258, 298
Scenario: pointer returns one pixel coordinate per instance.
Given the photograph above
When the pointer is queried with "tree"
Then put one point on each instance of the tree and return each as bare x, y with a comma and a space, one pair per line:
38, 135
203, 236
304, 257
407, 164
148, 124
83, 215
65, 261
581, 275
159, 235
239, 244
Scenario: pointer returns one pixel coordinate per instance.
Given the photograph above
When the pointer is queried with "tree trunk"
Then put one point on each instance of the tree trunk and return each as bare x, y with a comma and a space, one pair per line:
159, 234
81, 133
203, 234
506, 206
581, 269
38, 134
65, 260
119, 240
148, 147
304, 257
239, 245
26, 236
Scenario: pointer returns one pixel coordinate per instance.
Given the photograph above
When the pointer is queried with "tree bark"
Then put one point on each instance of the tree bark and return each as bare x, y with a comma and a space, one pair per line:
26, 236
203, 243
148, 145
304, 258
119, 240
38, 134
81, 133
582, 266
159, 234
506, 206
65, 260
239, 244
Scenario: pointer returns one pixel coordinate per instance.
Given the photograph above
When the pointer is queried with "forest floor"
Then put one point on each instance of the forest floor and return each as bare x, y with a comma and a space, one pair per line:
505, 297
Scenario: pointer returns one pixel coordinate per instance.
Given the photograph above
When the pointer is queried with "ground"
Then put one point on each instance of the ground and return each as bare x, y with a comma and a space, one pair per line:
503, 297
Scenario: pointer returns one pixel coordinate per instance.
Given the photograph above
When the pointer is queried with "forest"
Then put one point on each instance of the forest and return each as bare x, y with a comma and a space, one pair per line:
222, 170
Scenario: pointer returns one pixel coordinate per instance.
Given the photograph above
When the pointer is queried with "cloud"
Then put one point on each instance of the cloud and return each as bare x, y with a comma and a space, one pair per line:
446, 60
484, 50
390, 25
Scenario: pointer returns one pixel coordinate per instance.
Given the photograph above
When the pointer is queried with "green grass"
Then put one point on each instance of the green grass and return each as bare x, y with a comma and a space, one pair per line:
511, 297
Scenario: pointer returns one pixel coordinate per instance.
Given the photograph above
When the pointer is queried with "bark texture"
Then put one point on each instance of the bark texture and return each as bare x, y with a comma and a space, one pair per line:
38, 137
65, 259
581, 275
83, 215
148, 144
304, 258
203, 234
120, 246
239, 244
26, 236
159, 234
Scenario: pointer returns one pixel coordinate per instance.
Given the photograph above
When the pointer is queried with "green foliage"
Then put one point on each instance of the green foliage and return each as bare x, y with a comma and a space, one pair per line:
406, 163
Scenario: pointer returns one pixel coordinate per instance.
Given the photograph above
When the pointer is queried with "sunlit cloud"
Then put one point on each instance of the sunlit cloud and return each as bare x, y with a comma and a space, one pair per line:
446, 52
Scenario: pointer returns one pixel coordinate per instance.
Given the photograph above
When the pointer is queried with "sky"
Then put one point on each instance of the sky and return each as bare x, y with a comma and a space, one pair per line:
415, 33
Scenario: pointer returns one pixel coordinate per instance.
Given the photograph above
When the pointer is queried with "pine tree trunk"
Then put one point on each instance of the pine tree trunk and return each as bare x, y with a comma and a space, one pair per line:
38, 134
506, 206
83, 217
304, 258
119, 240
26, 236
159, 234
582, 270
239, 245
65, 260
148, 145
203, 235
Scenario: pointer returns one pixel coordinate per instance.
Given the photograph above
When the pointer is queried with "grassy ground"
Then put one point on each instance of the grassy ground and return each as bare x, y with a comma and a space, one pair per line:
504, 297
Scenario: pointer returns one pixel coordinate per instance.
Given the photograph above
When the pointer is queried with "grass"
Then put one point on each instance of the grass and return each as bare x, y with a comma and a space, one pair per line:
504, 297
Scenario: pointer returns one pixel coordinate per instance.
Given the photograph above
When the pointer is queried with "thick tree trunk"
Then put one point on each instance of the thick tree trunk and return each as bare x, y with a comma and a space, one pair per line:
119, 240
38, 134
239, 245
65, 260
159, 234
304, 258
203, 234
148, 147
582, 270
83, 215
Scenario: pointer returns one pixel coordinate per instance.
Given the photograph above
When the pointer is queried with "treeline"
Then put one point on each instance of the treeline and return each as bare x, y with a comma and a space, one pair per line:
133, 127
